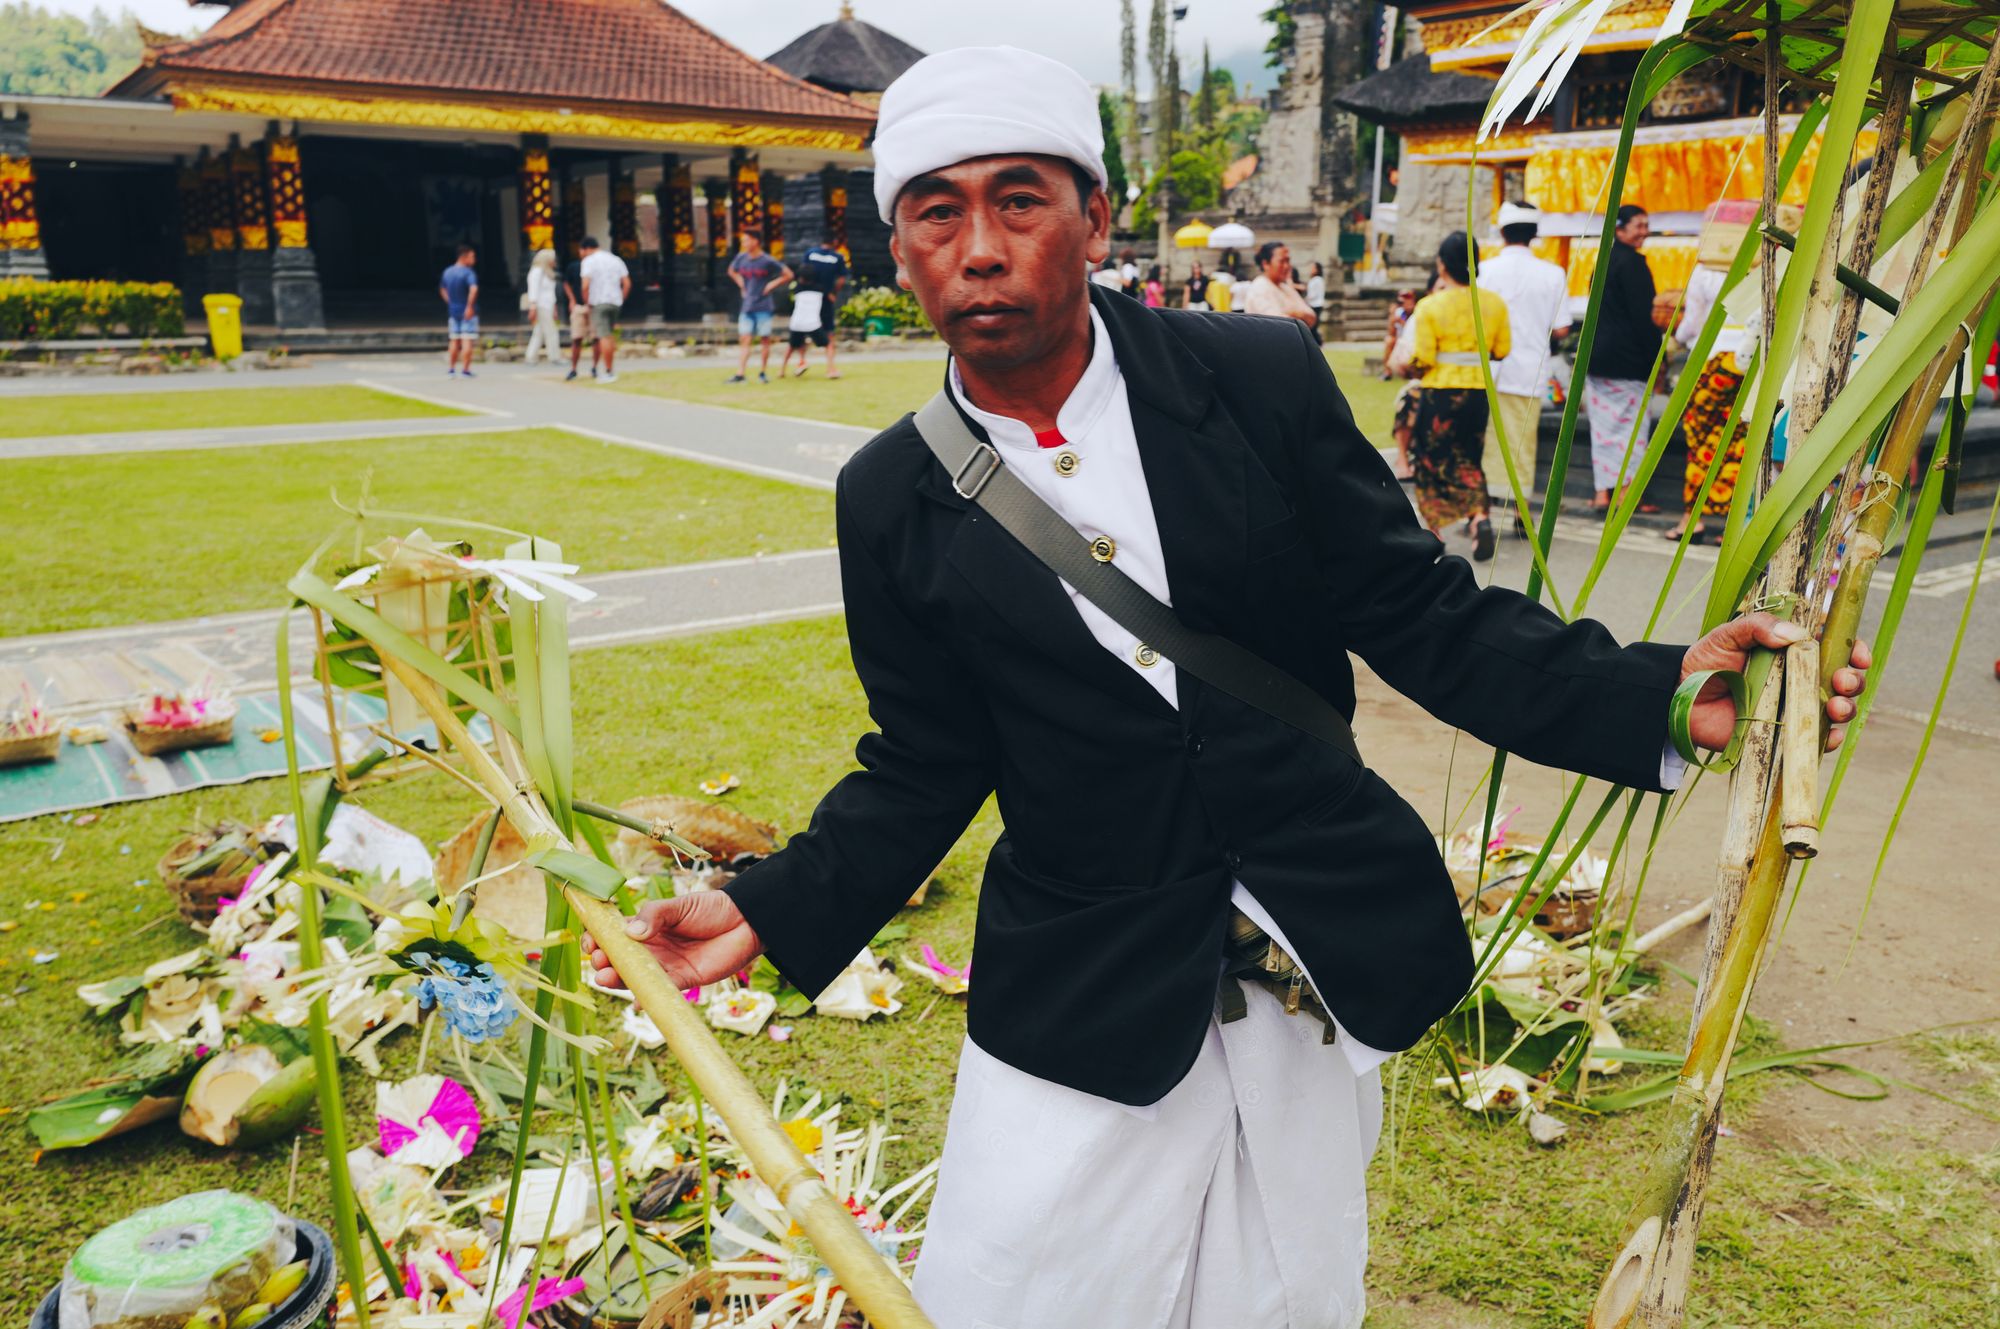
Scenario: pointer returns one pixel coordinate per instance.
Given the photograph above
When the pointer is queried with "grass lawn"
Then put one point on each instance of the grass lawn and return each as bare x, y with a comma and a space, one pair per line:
217, 408
874, 393
1464, 1211
79, 528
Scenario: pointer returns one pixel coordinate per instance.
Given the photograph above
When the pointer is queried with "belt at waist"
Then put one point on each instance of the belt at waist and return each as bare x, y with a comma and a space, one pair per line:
1458, 358
1251, 956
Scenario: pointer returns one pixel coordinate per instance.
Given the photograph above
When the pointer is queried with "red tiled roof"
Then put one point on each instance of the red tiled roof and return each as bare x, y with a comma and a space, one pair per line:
627, 52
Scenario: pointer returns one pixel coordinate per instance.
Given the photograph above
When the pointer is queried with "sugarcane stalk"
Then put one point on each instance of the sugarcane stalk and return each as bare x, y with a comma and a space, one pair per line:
1800, 744
870, 1282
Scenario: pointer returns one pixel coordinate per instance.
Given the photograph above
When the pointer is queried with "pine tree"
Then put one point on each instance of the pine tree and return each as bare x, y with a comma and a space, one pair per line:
1114, 159
1128, 75
1156, 64
1204, 101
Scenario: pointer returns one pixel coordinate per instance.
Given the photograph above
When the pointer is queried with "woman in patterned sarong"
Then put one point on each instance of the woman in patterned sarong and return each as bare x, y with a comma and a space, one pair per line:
1450, 428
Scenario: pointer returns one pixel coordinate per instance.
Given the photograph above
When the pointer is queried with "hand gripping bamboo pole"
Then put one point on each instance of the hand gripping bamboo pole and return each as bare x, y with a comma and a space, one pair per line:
862, 1271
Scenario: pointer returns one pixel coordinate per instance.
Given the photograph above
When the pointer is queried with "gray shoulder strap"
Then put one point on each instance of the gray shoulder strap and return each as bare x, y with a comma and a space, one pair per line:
980, 477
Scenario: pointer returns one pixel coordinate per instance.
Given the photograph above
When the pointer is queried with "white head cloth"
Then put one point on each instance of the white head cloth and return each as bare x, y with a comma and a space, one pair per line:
1513, 214
982, 101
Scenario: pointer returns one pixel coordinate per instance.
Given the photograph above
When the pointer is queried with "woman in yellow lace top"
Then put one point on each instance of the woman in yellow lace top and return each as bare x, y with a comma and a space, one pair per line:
1451, 406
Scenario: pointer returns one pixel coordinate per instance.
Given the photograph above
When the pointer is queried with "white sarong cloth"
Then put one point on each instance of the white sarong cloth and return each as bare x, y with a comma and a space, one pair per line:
1614, 406
807, 307
1236, 1202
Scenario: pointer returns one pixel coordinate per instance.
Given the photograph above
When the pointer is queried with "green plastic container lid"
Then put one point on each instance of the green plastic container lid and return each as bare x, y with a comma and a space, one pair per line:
187, 1240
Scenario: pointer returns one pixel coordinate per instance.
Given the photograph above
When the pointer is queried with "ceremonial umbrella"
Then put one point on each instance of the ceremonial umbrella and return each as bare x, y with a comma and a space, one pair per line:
1194, 235
1231, 235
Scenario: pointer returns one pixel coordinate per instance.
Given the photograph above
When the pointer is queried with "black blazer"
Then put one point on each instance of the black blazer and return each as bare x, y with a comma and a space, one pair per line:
1101, 916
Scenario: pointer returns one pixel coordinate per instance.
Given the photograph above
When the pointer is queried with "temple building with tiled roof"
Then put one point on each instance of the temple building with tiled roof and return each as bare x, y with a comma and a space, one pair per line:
848, 56
326, 157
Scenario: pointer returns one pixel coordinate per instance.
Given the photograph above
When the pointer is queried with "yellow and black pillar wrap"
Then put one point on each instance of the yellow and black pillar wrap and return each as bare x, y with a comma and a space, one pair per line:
20, 227
285, 182
572, 216
252, 206
676, 208
218, 207
624, 212
717, 193
834, 183
748, 194
538, 200
774, 215
194, 222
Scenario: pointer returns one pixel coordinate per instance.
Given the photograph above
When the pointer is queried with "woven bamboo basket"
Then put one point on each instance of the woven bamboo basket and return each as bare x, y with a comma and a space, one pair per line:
26, 748
152, 741
199, 898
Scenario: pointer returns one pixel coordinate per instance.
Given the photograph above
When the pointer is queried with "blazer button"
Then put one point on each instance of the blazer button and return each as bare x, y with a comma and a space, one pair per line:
1234, 859
1194, 745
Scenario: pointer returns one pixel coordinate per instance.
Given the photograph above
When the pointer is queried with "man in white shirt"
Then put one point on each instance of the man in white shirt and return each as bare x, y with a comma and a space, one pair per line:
606, 283
1537, 296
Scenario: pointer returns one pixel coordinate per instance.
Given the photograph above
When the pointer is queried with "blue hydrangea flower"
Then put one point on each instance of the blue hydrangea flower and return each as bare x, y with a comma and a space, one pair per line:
472, 1000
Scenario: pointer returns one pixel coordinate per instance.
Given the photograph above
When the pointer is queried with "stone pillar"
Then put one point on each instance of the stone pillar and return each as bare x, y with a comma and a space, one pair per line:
194, 237
252, 207
772, 188
20, 225
295, 289
218, 210
677, 247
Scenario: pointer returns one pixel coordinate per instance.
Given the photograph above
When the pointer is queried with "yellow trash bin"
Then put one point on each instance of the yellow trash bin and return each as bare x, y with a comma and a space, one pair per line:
225, 324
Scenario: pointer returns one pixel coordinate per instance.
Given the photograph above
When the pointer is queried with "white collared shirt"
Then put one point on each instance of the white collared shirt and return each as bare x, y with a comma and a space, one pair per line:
1536, 294
1107, 495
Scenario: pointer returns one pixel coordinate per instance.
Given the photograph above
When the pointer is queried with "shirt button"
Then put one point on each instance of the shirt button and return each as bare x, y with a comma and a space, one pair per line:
1194, 745
1145, 657
1104, 549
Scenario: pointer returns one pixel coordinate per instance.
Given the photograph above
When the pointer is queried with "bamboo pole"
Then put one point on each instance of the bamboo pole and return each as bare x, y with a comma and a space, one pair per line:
1801, 742
866, 1276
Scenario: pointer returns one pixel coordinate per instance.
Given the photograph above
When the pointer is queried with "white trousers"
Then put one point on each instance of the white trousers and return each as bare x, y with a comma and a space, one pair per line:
1236, 1202
545, 336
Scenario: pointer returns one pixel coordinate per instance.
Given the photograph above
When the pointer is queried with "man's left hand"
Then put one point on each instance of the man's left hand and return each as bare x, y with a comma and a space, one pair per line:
1713, 719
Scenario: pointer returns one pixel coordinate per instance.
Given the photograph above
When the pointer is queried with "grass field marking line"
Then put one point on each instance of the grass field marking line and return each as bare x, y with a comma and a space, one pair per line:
694, 626
431, 401
596, 579
707, 458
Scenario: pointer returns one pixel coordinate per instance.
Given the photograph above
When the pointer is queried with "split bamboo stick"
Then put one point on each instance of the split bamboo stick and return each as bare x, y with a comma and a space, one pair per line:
861, 1270
1800, 742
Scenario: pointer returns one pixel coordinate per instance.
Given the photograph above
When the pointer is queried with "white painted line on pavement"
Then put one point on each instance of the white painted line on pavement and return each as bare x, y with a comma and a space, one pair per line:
696, 625
773, 415
597, 579
1940, 582
689, 454
432, 401
1944, 721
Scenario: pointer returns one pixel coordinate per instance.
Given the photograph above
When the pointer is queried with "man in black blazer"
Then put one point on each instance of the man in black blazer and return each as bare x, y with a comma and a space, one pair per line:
1135, 815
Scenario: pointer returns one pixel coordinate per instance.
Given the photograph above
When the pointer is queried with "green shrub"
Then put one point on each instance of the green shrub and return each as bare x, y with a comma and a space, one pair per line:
58, 310
885, 301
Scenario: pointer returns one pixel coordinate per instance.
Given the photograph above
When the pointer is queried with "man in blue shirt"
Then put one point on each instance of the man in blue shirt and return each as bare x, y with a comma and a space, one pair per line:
460, 288
759, 277
822, 274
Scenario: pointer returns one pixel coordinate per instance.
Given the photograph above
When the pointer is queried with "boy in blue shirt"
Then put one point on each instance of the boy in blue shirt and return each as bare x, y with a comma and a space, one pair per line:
460, 288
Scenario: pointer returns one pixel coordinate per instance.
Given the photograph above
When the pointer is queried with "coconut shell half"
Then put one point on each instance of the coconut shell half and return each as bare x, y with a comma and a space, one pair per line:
514, 900
246, 1097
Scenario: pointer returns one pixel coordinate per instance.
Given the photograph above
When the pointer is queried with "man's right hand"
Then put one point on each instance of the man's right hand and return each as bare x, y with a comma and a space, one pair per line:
698, 939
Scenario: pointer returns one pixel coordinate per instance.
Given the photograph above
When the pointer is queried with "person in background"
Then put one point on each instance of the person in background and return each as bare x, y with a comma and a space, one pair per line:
1536, 293
579, 315
1273, 294
1128, 271
1450, 426
1399, 318
606, 283
543, 287
1196, 294
1708, 409
1154, 294
459, 288
1621, 361
821, 277
1222, 291
1397, 350
1316, 291
758, 278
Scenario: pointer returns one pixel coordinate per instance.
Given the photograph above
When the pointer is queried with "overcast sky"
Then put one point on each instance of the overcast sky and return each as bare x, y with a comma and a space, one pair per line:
1083, 33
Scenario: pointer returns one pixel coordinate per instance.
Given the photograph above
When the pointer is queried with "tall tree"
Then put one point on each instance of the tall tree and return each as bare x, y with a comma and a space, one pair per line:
1156, 64
1204, 101
1114, 159
1128, 74
1170, 110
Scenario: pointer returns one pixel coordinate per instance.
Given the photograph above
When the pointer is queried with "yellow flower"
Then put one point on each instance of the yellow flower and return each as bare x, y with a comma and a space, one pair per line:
804, 1134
